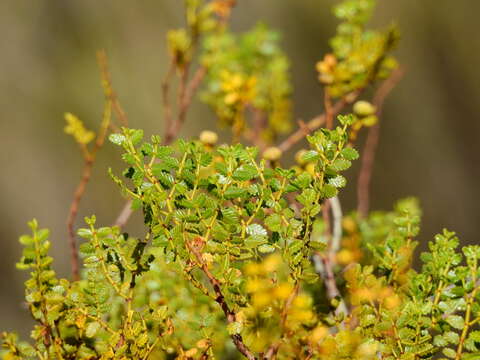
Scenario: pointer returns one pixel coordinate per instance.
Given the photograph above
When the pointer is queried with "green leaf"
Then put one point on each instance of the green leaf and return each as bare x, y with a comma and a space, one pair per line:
350, 153
117, 139
245, 172
234, 192
253, 241
450, 353
92, 329
234, 328
456, 321
274, 222
137, 136
338, 181
266, 248
310, 156
329, 191
341, 164
84, 233
256, 229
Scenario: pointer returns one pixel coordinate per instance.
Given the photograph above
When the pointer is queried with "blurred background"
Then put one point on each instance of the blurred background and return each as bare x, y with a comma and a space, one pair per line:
430, 128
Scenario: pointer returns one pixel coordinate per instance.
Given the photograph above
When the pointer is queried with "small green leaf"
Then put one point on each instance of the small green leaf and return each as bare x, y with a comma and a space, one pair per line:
456, 321
266, 248
274, 222
234, 328
310, 156
245, 172
341, 164
350, 153
92, 329
256, 229
338, 181
117, 139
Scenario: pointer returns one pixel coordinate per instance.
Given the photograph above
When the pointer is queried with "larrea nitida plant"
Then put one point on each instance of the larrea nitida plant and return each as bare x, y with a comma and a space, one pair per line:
241, 256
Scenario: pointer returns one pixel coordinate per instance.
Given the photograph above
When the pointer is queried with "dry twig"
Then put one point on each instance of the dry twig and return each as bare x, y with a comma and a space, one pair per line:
370, 147
89, 159
231, 316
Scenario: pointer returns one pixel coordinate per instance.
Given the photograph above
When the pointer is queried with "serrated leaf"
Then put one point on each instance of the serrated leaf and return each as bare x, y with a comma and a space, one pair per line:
256, 229
234, 328
117, 139
350, 153
253, 241
245, 172
329, 191
235, 192
338, 181
310, 156
92, 329
274, 222
341, 164
266, 248
455, 321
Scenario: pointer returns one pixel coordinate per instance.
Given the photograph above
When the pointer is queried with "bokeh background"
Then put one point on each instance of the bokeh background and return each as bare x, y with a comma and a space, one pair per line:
430, 128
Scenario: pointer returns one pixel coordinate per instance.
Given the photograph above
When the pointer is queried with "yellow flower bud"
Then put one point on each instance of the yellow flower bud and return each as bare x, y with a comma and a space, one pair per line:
370, 120
310, 168
272, 153
208, 137
363, 108
298, 157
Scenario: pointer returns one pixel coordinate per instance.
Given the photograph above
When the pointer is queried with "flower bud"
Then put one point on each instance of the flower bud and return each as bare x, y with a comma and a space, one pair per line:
272, 153
363, 108
299, 157
208, 137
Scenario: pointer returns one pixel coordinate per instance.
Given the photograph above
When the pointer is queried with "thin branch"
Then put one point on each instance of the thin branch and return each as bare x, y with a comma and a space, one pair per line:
195, 249
80, 190
188, 95
329, 115
167, 107
370, 147
108, 88
318, 121
273, 349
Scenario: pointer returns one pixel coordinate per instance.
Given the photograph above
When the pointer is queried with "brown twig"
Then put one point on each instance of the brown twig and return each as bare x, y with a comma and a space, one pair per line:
272, 351
186, 92
329, 115
318, 121
89, 159
167, 107
371, 143
108, 88
195, 248
172, 126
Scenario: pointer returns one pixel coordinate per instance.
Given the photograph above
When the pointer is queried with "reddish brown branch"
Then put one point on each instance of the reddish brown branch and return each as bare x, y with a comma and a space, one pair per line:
167, 107
187, 90
272, 351
108, 88
370, 147
173, 126
329, 115
80, 190
195, 248
318, 121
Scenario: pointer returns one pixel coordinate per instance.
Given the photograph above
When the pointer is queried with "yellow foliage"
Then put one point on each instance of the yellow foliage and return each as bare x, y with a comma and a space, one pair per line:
76, 128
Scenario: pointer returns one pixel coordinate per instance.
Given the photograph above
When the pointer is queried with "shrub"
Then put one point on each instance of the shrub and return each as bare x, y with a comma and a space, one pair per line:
241, 256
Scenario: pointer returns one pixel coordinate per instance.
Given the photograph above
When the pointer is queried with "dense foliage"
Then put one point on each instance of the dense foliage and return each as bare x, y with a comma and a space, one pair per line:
241, 256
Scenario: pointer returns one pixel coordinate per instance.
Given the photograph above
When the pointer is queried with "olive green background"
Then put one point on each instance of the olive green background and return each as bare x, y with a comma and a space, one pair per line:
430, 129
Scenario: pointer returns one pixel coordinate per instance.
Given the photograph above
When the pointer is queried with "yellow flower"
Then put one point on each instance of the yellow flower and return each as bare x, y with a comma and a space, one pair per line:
76, 128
